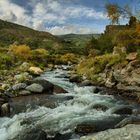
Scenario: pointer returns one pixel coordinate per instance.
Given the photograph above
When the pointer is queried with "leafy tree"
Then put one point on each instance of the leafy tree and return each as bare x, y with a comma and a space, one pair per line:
113, 13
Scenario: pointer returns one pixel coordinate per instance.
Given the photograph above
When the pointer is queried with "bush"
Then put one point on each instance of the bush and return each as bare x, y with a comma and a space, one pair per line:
20, 51
5, 61
93, 66
39, 57
69, 57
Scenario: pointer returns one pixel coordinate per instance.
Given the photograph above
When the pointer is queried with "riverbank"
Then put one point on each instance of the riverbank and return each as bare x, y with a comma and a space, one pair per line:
122, 77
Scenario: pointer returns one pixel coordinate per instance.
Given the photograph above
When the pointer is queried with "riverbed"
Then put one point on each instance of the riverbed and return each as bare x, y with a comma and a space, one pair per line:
61, 113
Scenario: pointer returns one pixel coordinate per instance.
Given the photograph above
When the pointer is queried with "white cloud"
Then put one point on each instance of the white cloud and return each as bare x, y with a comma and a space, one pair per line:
50, 12
76, 29
14, 13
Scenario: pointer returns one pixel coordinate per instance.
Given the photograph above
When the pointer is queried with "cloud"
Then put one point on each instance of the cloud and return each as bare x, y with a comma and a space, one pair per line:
14, 13
68, 29
49, 12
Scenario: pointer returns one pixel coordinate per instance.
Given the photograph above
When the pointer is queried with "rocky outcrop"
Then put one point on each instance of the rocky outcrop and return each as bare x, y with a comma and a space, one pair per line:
124, 77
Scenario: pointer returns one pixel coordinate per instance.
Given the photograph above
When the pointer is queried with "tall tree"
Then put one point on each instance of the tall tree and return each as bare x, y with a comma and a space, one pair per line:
113, 12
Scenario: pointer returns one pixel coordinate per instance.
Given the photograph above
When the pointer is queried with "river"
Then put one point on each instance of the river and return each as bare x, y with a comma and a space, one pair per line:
66, 115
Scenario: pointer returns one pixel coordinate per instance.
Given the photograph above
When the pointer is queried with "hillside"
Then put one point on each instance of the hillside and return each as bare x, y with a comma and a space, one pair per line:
11, 33
77, 42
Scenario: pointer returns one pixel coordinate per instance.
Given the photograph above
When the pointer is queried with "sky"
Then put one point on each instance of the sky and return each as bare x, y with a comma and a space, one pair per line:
60, 16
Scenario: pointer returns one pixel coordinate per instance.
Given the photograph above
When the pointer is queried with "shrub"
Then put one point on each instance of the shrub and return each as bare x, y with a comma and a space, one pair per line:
39, 57
21, 51
69, 57
5, 61
96, 65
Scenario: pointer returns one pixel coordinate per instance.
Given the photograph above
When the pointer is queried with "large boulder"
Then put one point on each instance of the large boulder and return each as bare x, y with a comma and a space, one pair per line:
35, 70
47, 86
35, 88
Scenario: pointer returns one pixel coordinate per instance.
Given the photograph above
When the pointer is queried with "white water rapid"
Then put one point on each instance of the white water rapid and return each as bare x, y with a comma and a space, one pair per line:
63, 118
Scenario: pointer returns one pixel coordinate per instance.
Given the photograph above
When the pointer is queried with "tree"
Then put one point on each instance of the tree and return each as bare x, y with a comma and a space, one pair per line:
113, 12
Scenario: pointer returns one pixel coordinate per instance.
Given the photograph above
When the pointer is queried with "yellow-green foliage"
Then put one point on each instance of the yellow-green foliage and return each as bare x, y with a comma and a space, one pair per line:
68, 57
93, 66
21, 51
40, 52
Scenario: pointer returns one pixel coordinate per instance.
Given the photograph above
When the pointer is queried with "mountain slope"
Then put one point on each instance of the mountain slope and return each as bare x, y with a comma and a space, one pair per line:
11, 33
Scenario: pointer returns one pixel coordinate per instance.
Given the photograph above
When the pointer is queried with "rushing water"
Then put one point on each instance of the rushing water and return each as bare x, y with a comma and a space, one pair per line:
65, 116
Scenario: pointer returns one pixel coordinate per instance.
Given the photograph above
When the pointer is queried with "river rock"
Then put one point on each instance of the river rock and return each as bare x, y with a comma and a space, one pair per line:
24, 92
100, 107
33, 134
58, 89
86, 83
47, 86
96, 90
75, 78
122, 110
129, 132
35, 70
36, 88
97, 125
19, 86
5, 109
